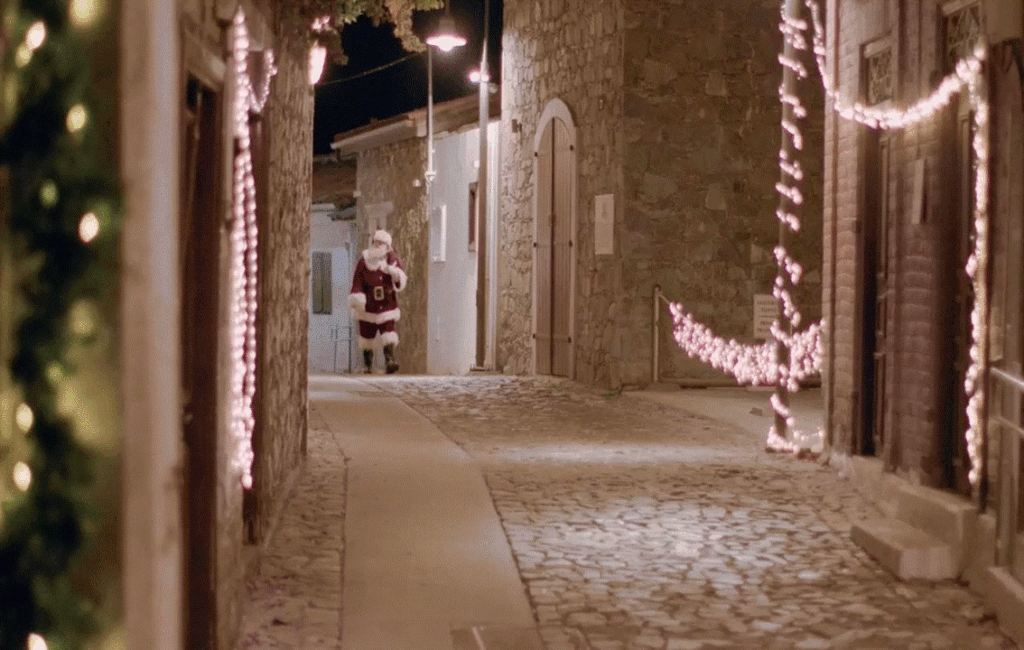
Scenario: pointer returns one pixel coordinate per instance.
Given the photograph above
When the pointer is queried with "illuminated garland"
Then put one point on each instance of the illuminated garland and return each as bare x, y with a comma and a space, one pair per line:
244, 238
754, 364
64, 217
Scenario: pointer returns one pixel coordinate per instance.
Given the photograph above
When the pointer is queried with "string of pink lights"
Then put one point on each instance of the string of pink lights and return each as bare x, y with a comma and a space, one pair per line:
755, 364
244, 237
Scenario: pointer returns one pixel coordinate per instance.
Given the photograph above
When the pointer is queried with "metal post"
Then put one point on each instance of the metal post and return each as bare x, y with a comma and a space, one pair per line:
655, 365
481, 193
782, 357
429, 176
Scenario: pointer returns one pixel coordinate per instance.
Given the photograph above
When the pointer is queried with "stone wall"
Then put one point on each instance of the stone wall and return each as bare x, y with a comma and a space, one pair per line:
701, 162
385, 177
283, 319
569, 50
678, 117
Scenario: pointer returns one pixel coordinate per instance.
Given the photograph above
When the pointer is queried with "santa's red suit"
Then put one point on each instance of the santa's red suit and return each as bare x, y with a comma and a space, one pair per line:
377, 280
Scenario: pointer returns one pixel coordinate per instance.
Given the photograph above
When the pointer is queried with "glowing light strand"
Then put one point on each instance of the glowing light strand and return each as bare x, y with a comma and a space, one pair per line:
244, 240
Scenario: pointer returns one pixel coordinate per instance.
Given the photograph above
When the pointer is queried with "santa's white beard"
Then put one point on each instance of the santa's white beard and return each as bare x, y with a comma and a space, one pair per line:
376, 253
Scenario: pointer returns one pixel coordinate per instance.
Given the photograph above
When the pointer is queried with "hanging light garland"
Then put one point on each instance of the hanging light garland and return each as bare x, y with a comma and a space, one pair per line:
755, 364
244, 239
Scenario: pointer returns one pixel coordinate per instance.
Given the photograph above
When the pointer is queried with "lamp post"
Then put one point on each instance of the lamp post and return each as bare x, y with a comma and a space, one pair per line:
484, 82
445, 38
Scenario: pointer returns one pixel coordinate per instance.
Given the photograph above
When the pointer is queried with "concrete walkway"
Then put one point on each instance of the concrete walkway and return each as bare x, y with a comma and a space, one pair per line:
633, 521
427, 565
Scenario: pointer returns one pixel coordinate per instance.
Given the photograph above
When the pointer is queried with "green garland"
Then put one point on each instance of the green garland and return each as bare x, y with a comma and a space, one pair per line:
58, 170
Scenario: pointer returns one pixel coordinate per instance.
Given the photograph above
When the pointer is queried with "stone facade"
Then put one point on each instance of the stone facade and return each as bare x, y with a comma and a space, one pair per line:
385, 179
284, 196
676, 110
570, 50
284, 289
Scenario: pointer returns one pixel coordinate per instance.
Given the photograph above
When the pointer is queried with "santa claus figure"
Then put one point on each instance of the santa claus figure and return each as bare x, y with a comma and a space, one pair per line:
374, 299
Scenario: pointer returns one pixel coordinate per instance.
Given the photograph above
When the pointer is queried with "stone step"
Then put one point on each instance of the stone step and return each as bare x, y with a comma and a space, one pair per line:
938, 513
906, 551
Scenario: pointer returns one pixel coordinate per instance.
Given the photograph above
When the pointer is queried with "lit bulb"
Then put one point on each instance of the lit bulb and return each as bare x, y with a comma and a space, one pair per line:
48, 194
88, 227
22, 476
24, 417
76, 118
36, 35
84, 13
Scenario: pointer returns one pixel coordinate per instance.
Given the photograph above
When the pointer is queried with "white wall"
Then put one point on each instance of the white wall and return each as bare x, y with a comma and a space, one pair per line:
338, 238
451, 348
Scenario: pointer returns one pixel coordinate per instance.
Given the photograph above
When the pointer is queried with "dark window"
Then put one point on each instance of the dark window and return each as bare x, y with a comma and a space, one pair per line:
321, 290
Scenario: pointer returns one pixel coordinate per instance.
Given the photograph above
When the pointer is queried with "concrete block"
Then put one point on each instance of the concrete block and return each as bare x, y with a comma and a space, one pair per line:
906, 551
941, 514
1003, 593
982, 543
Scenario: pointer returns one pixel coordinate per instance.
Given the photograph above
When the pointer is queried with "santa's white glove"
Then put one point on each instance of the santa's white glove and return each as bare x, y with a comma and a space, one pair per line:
397, 275
357, 303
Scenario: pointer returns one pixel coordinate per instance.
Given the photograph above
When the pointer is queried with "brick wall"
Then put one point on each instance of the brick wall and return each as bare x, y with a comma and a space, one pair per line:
918, 385
385, 175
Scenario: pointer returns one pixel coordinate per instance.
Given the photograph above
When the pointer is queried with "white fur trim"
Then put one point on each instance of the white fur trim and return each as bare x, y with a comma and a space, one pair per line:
382, 236
399, 277
389, 337
357, 301
365, 344
383, 317
374, 264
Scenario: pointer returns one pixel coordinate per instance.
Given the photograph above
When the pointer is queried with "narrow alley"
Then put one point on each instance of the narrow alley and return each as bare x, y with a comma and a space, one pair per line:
631, 524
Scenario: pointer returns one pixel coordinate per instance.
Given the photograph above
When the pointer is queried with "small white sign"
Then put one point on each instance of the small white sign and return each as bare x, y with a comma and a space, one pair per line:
604, 224
766, 308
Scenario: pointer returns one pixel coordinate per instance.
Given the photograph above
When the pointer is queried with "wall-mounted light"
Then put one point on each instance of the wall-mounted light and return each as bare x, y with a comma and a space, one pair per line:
317, 59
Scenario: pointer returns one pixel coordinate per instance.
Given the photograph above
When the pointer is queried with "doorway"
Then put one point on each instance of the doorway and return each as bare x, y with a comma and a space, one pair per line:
554, 258
876, 293
200, 238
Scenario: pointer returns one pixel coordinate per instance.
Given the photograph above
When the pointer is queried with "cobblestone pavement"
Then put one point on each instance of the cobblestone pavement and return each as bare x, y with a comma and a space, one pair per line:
294, 601
638, 526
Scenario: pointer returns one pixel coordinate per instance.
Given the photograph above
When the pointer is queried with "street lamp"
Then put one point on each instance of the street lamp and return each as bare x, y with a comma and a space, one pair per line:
445, 38
483, 78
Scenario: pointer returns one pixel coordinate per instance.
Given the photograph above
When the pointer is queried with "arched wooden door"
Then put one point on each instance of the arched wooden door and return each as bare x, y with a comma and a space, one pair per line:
553, 248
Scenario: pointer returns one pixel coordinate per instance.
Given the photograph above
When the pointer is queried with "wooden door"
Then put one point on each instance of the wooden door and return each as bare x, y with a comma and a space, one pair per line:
543, 250
553, 266
200, 273
561, 251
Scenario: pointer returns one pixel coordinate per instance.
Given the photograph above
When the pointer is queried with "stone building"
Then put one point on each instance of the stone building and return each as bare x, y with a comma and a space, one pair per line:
650, 132
901, 227
159, 378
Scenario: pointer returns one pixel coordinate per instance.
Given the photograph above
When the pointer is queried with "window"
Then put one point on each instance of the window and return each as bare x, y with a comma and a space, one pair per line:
472, 216
963, 33
880, 81
321, 290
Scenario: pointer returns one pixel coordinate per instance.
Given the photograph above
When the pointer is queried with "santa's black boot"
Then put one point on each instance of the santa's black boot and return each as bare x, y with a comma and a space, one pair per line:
368, 360
389, 359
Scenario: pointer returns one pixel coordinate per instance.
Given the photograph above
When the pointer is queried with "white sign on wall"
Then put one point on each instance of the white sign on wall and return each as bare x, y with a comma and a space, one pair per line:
604, 224
766, 309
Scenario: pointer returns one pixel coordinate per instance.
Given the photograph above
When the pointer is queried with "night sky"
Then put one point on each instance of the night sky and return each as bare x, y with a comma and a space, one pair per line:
343, 104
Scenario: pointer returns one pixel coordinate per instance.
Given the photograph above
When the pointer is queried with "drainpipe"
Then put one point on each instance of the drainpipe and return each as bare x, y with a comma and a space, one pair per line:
655, 369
